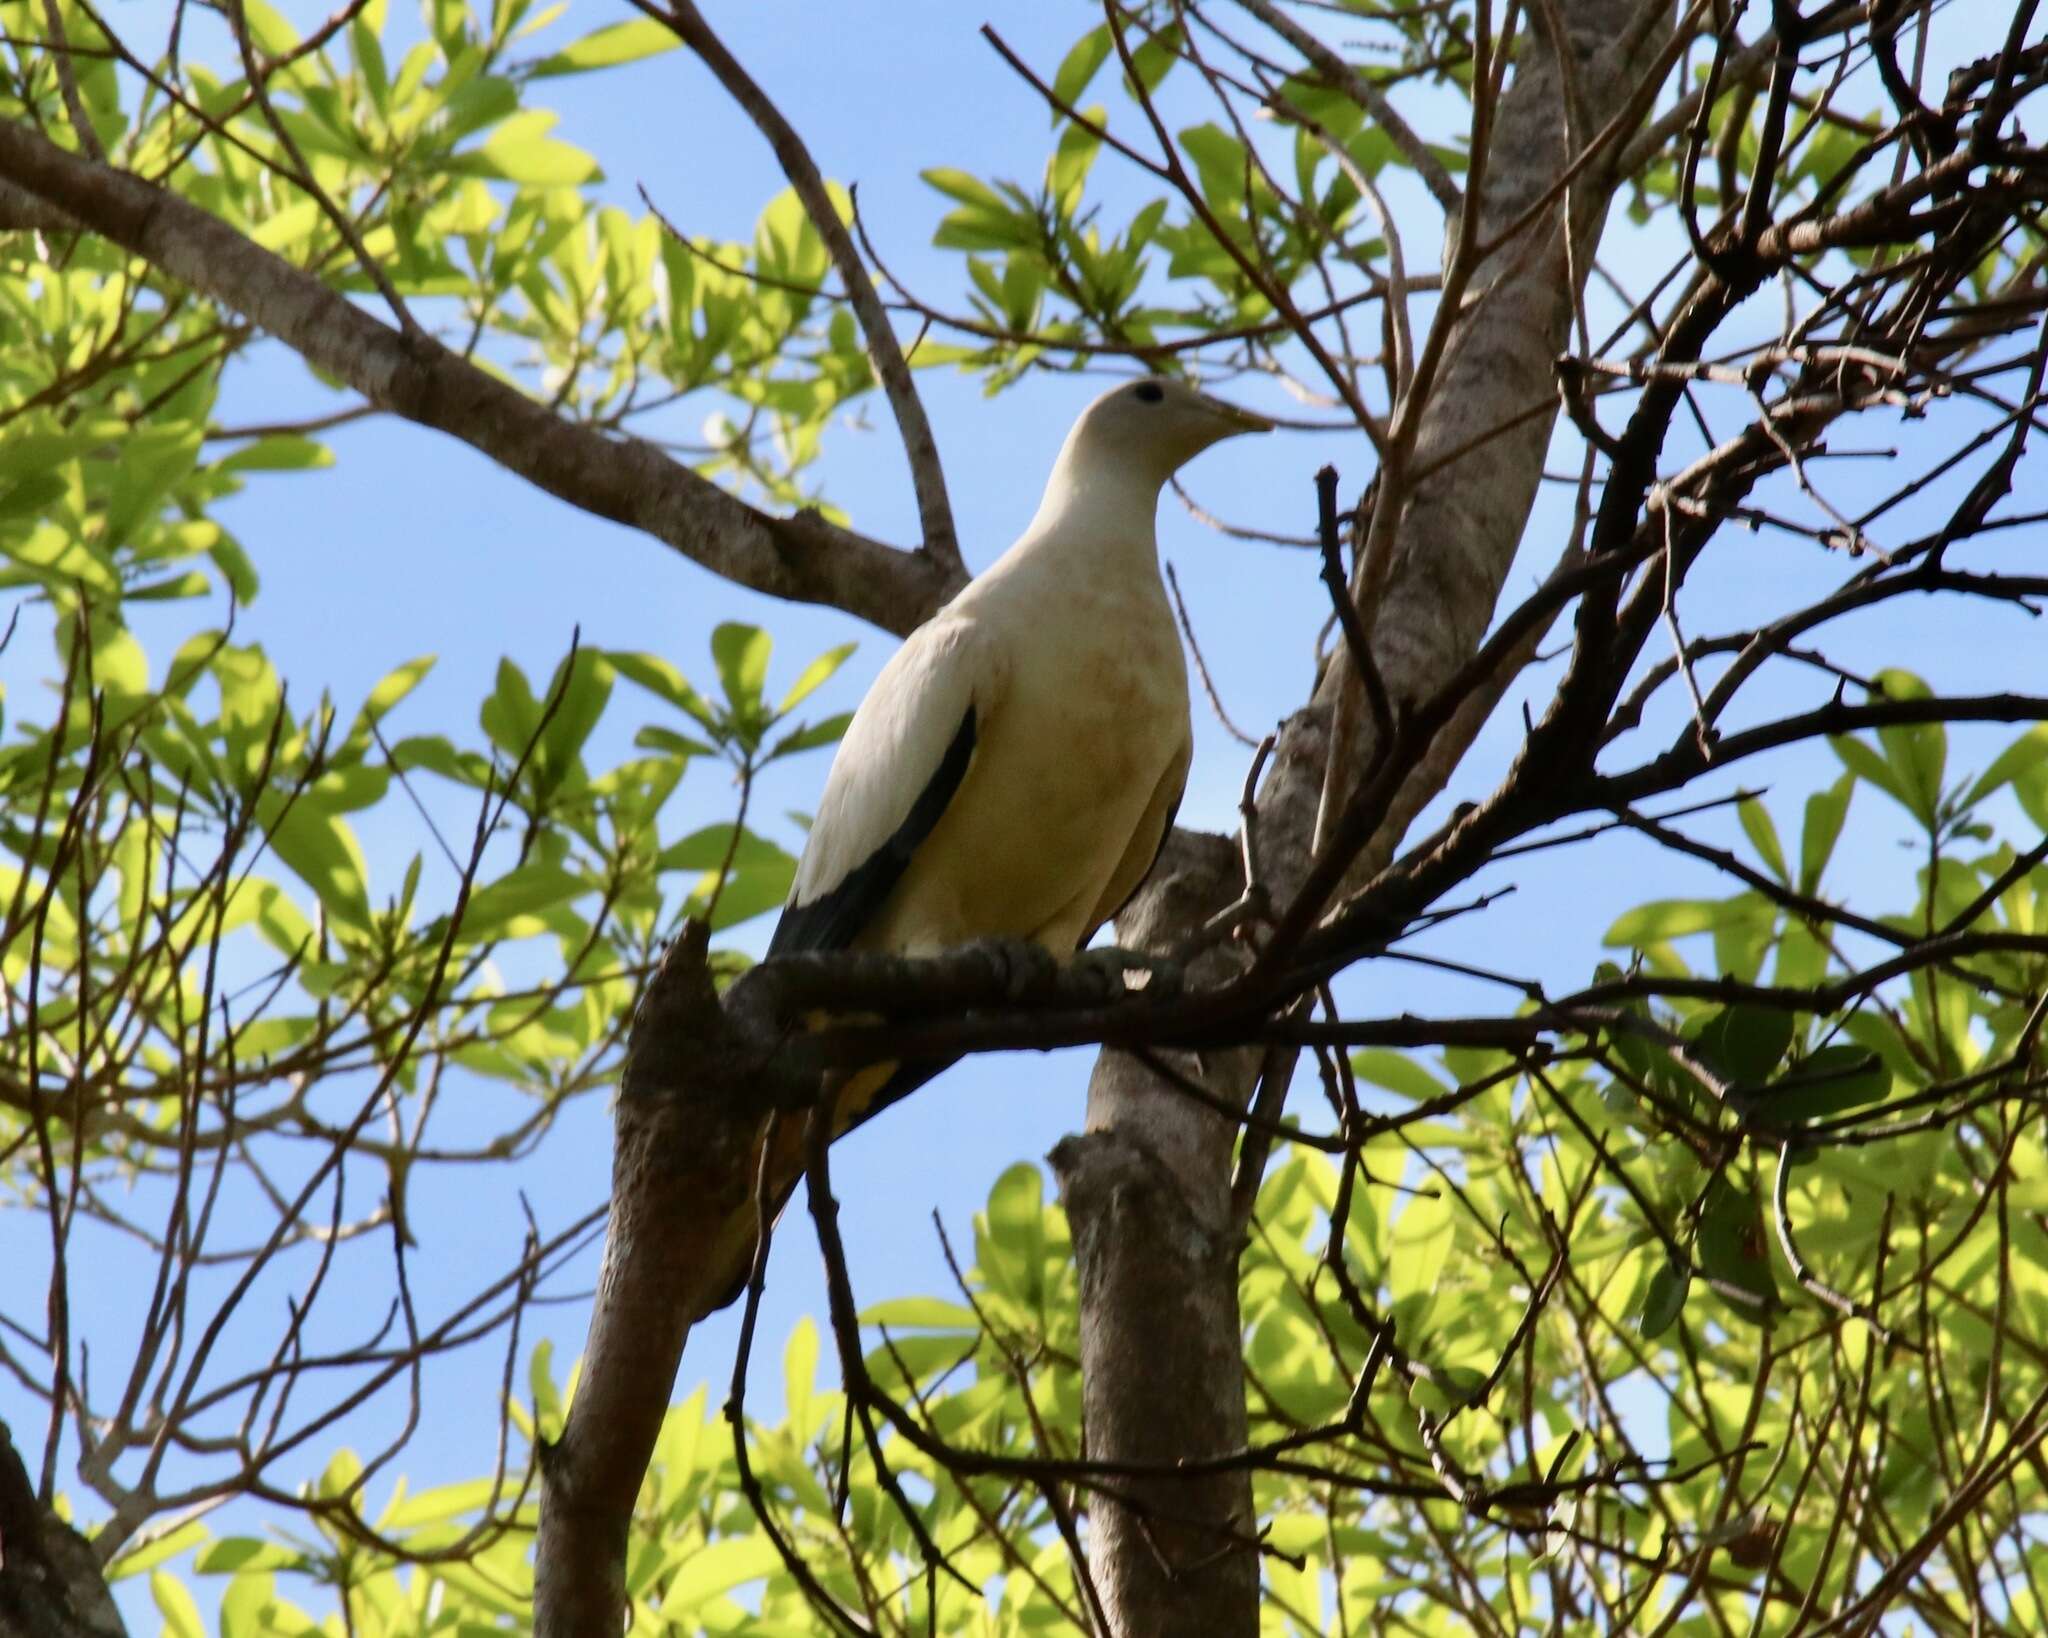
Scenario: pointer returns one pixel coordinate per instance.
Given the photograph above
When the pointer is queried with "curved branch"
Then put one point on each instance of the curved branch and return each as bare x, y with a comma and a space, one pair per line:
935, 512
802, 558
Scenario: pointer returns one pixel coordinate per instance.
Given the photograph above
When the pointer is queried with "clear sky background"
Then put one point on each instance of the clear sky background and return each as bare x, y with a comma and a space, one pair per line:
415, 544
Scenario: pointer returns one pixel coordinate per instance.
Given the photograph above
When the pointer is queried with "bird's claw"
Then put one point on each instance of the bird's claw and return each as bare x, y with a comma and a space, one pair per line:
1114, 973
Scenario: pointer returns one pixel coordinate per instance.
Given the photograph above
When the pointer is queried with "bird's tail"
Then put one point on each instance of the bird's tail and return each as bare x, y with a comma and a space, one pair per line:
778, 1159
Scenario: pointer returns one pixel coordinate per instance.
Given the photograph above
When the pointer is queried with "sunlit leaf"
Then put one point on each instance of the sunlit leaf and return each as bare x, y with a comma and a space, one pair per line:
814, 676
607, 47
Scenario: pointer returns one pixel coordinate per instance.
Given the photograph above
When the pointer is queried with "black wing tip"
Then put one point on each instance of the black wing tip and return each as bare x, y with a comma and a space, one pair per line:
796, 929
833, 920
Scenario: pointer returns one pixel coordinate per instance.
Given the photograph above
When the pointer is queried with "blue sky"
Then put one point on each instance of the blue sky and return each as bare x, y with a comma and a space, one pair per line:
415, 544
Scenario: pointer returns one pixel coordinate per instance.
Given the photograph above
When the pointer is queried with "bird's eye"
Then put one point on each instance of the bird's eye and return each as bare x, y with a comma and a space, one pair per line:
1150, 391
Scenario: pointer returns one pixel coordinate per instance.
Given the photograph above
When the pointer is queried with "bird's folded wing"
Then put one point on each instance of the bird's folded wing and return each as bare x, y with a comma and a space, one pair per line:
904, 756
1148, 841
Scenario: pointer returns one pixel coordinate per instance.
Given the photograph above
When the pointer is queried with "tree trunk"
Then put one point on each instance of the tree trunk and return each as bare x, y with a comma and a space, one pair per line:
1147, 1187
50, 1581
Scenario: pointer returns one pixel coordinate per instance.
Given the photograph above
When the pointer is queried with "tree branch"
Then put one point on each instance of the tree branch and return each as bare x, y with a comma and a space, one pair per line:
935, 512
802, 558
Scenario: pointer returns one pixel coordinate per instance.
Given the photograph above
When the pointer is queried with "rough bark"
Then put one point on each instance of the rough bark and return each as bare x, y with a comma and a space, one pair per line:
50, 1582
1147, 1187
680, 1181
704, 1074
802, 558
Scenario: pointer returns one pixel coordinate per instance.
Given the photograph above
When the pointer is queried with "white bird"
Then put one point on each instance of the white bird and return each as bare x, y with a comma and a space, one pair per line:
1015, 768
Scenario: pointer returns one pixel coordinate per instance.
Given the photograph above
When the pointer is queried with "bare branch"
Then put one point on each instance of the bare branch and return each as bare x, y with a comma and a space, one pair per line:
935, 513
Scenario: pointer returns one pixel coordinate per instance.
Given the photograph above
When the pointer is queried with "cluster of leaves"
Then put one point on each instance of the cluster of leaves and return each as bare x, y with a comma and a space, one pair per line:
1050, 274
208, 993
405, 161
1577, 1281
1793, 1246
154, 818
194, 940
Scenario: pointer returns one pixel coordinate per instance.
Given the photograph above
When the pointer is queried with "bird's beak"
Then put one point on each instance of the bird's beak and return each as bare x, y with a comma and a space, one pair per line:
1236, 418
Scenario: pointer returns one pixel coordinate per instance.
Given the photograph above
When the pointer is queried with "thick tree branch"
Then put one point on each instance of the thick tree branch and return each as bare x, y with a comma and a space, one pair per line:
802, 558
50, 1582
679, 1239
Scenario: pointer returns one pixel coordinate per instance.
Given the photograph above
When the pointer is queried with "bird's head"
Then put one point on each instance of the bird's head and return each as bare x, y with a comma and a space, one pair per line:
1149, 428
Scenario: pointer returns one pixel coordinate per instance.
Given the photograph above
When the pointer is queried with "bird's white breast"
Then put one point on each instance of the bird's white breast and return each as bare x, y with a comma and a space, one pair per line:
1092, 715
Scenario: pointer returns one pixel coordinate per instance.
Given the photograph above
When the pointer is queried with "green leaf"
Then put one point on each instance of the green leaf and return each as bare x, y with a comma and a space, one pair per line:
476, 104
706, 849
1015, 1239
520, 150
578, 694
969, 190
1067, 174
157, 1551
1831, 1081
189, 584
1744, 1044
248, 1609
180, 1613
321, 851
987, 221
251, 698
671, 744
1156, 57
1918, 752
1397, 1072
351, 788
1663, 1299
1734, 1252
540, 1383
435, 754
1079, 67
369, 55
800, 1376
1763, 836
235, 567
233, 1554
716, 1568
2019, 759
117, 661
511, 716
392, 688
1662, 919
1868, 766
2031, 787
920, 1314
809, 737
608, 47
813, 676
665, 682
507, 904
741, 653
1220, 162
1825, 812
280, 453
1422, 1239
31, 494
748, 893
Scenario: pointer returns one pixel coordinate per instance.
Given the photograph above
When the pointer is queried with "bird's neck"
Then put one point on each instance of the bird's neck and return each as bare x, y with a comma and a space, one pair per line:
1101, 506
